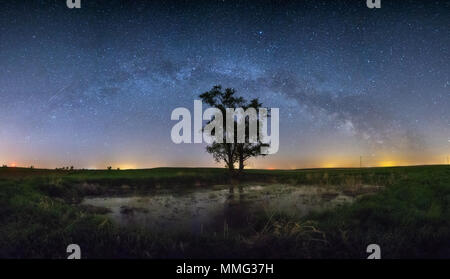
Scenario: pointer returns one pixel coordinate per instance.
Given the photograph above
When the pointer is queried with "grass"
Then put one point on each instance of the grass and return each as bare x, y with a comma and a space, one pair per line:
409, 218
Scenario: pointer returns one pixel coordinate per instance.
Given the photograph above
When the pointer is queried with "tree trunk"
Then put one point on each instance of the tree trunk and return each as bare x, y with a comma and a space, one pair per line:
230, 159
241, 162
241, 157
230, 166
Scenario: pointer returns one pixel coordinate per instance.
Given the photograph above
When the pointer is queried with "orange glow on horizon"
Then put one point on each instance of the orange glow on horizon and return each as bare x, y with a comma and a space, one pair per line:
126, 166
387, 164
383, 160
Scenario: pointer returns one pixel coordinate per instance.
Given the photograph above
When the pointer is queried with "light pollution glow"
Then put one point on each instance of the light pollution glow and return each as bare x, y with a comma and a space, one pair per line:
96, 87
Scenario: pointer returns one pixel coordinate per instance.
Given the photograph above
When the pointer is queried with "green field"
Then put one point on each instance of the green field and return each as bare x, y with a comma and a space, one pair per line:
40, 214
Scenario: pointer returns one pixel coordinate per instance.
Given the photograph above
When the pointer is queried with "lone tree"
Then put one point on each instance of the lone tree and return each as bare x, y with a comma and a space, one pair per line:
247, 149
235, 152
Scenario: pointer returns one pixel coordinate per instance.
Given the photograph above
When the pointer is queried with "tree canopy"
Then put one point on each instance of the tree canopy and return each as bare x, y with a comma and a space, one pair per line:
233, 152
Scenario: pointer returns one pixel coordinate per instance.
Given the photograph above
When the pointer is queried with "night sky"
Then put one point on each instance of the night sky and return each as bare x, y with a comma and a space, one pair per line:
95, 86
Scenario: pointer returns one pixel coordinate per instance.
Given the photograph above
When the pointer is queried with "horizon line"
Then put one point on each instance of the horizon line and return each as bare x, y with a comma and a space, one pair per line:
186, 167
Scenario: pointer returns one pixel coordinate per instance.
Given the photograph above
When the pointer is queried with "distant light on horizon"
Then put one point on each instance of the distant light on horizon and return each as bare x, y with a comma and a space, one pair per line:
387, 164
345, 89
334, 164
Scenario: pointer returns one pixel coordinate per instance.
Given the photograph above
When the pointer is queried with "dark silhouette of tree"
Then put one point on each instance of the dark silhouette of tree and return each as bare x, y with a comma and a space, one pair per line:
232, 153
109, 168
222, 100
248, 150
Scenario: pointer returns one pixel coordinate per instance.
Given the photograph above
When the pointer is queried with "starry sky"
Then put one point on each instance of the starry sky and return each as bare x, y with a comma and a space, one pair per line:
95, 86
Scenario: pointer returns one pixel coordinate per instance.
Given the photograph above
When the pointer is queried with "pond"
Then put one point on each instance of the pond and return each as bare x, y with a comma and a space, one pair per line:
214, 209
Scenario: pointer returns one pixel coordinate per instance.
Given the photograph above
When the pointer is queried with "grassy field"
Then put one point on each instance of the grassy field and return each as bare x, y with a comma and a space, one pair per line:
40, 215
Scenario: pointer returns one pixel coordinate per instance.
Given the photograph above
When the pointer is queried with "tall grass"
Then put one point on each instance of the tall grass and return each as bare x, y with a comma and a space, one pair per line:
409, 218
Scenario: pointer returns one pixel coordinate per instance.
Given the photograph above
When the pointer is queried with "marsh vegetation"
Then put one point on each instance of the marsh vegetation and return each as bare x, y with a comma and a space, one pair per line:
210, 210
177, 213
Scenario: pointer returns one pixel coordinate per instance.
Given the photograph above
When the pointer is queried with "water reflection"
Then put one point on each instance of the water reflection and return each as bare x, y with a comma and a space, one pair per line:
216, 210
